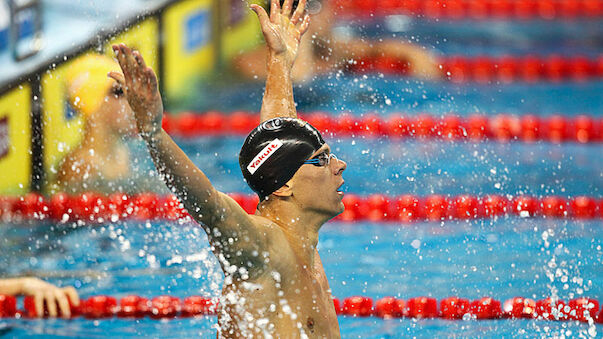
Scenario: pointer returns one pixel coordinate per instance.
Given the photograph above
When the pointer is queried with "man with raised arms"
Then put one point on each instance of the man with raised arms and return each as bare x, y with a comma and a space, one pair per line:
275, 284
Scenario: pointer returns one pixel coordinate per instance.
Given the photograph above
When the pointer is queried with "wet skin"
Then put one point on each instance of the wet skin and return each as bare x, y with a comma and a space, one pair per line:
283, 287
280, 240
282, 295
275, 285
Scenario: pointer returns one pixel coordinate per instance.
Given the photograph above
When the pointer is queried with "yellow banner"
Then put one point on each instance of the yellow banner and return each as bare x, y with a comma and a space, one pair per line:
241, 28
15, 141
189, 49
63, 127
144, 37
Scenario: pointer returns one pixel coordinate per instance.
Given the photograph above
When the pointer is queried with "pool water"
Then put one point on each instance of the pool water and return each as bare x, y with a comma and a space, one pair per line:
502, 258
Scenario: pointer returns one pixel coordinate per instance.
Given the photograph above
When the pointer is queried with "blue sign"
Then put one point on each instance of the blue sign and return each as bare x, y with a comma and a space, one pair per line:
70, 111
198, 31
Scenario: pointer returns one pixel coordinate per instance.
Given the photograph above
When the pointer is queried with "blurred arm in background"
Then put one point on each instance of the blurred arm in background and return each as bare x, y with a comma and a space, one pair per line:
324, 52
43, 293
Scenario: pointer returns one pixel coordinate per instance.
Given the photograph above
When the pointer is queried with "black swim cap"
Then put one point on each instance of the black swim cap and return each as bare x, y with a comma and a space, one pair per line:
275, 150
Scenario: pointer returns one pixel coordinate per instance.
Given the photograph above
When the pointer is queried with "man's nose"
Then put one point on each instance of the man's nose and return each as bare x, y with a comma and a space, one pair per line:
340, 166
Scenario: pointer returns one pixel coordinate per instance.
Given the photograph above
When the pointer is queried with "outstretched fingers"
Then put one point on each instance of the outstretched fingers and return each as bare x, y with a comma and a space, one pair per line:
262, 15
121, 60
275, 9
51, 304
303, 26
123, 54
63, 302
118, 77
151, 78
39, 304
299, 12
72, 295
141, 67
139, 59
287, 8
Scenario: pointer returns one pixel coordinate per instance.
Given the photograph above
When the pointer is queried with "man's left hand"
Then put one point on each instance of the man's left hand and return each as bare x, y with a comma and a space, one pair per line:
284, 28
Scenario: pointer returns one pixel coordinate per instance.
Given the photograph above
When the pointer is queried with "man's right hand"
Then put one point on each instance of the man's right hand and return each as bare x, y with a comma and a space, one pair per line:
284, 28
140, 85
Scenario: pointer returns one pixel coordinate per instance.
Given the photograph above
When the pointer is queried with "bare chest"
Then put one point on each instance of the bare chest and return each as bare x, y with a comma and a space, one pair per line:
288, 299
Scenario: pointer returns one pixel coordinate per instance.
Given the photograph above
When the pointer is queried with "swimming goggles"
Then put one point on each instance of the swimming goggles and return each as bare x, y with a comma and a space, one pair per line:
321, 160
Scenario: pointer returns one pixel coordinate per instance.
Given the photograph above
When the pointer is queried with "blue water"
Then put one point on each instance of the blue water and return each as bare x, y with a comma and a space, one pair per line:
375, 93
507, 258
427, 167
485, 37
501, 258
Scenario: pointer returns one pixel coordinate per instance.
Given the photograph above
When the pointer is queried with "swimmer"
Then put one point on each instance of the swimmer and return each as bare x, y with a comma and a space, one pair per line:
324, 51
44, 294
275, 284
102, 158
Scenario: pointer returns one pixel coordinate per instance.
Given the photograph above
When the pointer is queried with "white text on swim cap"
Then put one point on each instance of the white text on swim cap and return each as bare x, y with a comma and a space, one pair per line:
266, 153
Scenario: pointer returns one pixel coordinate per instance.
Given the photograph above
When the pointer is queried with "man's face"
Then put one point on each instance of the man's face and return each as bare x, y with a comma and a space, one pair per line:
317, 187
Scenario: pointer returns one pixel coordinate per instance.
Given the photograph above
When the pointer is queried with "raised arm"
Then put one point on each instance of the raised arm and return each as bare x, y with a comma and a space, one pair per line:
283, 31
221, 216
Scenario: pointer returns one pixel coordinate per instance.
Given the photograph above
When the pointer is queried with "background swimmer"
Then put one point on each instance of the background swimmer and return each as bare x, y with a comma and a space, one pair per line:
322, 51
56, 299
102, 161
275, 284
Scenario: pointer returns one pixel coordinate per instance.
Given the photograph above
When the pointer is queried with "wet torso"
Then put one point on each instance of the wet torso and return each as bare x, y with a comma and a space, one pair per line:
279, 296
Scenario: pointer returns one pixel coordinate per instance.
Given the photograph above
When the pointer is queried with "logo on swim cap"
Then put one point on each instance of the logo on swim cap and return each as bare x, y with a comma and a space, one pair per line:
266, 153
272, 124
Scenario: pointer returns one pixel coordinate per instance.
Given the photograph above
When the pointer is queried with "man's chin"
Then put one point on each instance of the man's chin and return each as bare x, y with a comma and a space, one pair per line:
340, 210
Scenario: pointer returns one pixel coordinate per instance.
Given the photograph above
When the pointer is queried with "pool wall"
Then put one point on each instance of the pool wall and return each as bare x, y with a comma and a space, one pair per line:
182, 40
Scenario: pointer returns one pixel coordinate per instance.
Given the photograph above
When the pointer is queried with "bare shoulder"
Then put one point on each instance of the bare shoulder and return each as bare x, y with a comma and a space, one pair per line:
267, 228
236, 231
276, 242
76, 166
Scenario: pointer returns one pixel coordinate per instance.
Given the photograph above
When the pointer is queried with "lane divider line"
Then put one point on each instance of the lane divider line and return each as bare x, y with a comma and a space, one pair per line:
581, 129
475, 9
451, 308
404, 209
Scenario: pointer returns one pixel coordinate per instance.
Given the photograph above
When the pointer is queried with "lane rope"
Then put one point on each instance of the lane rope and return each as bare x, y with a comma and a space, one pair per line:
581, 129
97, 208
475, 9
452, 308
487, 69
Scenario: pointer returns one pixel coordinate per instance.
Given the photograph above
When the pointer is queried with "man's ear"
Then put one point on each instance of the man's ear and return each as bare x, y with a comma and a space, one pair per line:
285, 191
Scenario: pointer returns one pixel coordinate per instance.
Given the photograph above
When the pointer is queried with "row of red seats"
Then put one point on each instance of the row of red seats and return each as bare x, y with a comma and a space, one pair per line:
475, 9
581, 309
503, 127
378, 208
485, 69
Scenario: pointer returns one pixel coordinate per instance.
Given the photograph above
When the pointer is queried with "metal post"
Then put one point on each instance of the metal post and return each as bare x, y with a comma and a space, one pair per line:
16, 8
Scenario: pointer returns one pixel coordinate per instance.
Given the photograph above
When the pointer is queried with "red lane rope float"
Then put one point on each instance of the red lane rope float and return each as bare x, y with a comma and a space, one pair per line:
93, 207
452, 308
486, 69
475, 9
502, 128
